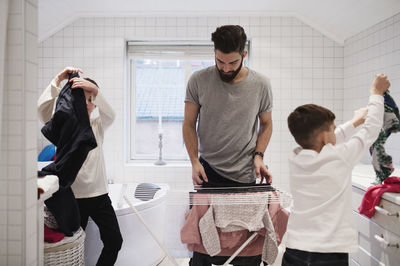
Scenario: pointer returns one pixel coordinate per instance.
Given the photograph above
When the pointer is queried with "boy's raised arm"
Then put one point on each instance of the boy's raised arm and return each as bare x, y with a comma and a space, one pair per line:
345, 131
354, 149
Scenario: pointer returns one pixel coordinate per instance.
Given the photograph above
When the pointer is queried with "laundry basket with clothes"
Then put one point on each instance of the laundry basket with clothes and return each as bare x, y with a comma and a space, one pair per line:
67, 252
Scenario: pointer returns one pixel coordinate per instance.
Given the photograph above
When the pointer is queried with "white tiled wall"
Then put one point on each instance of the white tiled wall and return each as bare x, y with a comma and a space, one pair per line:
304, 66
375, 50
18, 189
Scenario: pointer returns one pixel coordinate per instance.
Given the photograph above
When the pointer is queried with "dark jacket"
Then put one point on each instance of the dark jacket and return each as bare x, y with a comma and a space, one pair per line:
69, 130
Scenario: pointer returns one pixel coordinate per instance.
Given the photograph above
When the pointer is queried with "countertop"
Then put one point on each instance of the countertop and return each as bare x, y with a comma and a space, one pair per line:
363, 175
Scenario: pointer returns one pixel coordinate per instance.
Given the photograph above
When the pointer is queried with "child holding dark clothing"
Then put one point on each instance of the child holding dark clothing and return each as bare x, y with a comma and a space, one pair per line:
90, 185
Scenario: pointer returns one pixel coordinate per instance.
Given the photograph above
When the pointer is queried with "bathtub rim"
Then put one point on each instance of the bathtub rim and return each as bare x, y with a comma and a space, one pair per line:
139, 205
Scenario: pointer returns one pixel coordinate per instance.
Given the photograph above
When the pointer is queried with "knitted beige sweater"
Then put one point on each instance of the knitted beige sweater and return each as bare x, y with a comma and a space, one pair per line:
251, 215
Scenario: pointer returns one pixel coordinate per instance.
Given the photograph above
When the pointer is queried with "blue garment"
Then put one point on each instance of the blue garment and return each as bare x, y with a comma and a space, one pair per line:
47, 153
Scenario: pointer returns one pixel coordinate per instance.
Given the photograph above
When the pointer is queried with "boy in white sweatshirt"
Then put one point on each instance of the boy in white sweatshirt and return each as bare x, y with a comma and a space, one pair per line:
321, 228
90, 185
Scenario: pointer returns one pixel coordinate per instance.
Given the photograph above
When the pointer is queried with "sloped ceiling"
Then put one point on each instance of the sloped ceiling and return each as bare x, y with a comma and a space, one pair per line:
337, 19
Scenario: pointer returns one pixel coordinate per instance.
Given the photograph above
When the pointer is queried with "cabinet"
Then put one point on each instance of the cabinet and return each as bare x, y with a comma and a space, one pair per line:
379, 237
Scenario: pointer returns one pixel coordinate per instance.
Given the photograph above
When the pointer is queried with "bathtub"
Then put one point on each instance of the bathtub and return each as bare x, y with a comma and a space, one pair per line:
139, 247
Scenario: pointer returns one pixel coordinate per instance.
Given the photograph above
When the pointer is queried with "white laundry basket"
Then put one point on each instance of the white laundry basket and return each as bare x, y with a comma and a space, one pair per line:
67, 252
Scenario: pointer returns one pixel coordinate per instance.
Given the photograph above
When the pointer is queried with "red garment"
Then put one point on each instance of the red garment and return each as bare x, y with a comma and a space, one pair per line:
373, 195
51, 236
231, 241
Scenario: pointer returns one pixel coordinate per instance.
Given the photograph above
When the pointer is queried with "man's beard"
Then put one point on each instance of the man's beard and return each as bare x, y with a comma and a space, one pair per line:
231, 75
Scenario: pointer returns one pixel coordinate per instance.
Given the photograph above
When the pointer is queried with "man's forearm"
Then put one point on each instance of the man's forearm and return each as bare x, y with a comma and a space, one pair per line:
264, 136
191, 143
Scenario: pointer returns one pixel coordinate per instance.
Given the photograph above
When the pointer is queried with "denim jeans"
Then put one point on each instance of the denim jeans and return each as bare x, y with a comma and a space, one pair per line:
295, 257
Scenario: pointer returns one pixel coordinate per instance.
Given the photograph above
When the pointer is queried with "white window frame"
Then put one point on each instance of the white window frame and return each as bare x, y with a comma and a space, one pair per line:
204, 49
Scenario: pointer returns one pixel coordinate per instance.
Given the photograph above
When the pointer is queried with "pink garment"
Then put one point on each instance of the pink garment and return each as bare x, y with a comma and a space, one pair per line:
279, 217
51, 236
231, 241
373, 195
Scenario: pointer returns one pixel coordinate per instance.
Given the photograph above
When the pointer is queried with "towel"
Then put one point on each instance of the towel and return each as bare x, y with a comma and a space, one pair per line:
373, 195
51, 236
48, 183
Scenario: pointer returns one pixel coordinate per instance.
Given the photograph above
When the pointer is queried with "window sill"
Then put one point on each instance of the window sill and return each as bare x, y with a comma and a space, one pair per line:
148, 163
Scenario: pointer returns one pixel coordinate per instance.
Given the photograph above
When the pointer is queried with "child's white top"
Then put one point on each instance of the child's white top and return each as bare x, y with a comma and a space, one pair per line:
321, 219
91, 180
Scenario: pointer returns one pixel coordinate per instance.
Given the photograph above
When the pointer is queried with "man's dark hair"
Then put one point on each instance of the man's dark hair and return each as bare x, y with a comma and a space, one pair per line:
308, 120
229, 38
91, 80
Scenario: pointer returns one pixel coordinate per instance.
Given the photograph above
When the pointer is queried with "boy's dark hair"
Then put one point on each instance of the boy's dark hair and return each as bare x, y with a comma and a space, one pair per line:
91, 80
229, 38
308, 120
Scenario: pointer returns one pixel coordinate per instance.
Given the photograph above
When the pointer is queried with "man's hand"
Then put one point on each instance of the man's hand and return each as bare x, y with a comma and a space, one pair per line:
65, 74
359, 116
197, 171
86, 85
261, 170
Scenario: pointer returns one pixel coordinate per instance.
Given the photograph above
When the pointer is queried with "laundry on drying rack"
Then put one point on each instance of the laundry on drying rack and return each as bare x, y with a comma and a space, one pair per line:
219, 223
230, 218
236, 242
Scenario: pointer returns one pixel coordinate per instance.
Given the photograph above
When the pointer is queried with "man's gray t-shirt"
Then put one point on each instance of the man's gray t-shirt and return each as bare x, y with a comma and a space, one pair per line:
228, 120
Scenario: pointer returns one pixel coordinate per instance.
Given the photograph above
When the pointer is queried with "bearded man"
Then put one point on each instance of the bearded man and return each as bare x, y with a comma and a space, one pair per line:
233, 106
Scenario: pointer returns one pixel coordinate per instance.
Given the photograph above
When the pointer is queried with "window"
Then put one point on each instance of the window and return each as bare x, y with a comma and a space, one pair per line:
158, 74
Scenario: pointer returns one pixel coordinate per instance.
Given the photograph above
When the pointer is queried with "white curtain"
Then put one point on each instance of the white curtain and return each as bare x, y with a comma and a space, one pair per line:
3, 43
